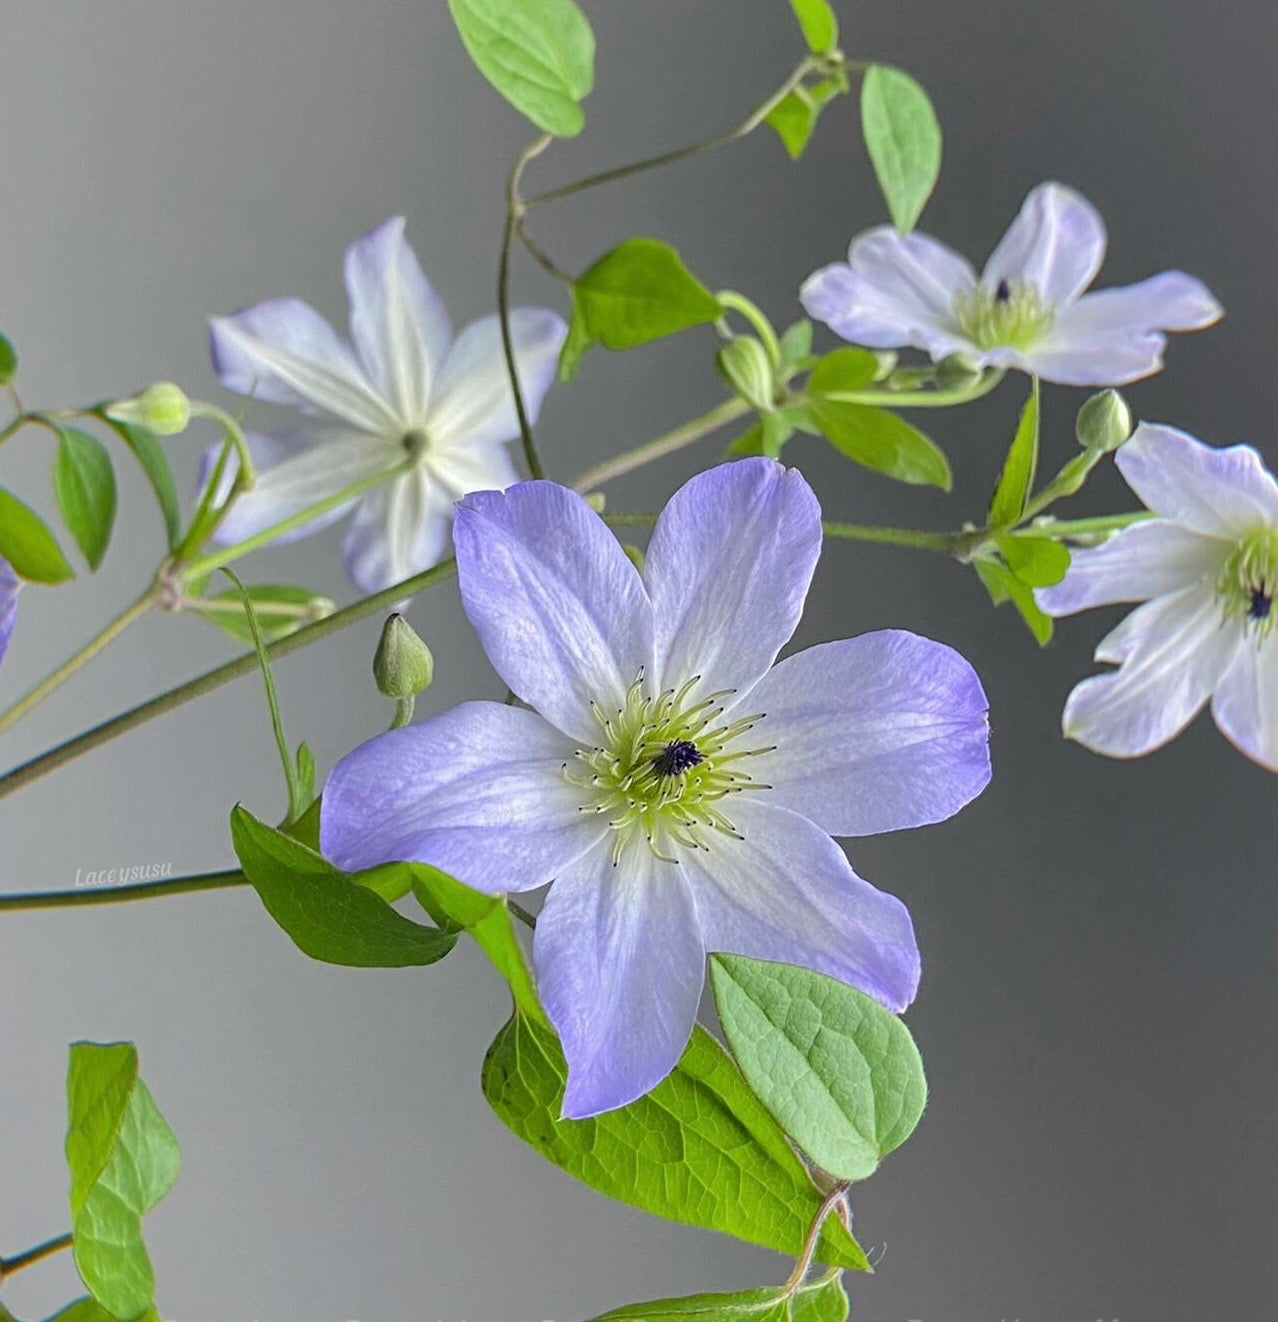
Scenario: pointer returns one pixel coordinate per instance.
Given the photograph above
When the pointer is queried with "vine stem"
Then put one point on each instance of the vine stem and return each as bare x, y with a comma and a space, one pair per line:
85, 896
31, 1256
804, 1261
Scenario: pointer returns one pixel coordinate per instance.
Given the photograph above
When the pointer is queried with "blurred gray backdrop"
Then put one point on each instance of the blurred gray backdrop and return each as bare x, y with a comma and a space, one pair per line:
1099, 1002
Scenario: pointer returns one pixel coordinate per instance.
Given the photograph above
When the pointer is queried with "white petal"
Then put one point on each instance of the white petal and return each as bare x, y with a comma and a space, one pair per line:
472, 401
1146, 560
1171, 301
284, 352
1055, 245
398, 530
398, 323
1171, 669
467, 468
1223, 493
1245, 706
1093, 360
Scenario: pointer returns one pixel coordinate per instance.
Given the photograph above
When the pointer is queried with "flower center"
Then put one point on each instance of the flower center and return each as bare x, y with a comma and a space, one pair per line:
415, 443
1248, 582
1009, 316
664, 766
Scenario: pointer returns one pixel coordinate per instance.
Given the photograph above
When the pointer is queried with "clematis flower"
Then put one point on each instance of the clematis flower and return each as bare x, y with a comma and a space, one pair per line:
9, 588
401, 386
679, 789
1027, 309
1206, 568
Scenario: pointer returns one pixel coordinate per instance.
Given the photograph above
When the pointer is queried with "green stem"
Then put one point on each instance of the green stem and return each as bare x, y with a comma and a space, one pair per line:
86, 654
945, 542
1064, 529
148, 890
762, 326
246, 664
922, 399
31, 1256
717, 417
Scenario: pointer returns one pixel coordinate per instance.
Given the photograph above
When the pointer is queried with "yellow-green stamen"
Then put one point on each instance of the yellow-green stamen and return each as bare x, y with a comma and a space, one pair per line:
1248, 582
1009, 316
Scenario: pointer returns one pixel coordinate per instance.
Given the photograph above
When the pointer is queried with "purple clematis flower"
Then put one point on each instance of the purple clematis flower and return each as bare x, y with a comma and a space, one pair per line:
1206, 568
1027, 309
403, 385
678, 788
10, 585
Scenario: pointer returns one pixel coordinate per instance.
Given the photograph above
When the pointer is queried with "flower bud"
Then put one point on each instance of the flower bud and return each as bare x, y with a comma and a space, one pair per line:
957, 370
162, 408
403, 665
747, 368
1104, 422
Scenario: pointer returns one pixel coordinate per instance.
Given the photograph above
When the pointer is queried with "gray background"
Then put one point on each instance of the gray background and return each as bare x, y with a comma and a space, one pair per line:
1098, 1008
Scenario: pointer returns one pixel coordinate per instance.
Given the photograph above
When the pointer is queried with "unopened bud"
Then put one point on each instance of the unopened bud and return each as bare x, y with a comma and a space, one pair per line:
162, 408
957, 370
1104, 422
402, 666
747, 368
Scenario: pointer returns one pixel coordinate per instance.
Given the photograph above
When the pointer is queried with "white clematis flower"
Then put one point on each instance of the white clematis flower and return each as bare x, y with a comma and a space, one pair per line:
1028, 309
401, 386
1206, 568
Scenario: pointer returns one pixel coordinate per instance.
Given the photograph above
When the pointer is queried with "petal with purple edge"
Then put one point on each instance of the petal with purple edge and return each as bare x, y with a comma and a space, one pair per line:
399, 325
478, 792
1245, 705
1171, 301
10, 586
398, 530
1171, 668
1055, 245
1146, 560
557, 605
879, 733
620, 968
1093, 360
728, 569
1223, 493
473, 403
284, 352
787, 893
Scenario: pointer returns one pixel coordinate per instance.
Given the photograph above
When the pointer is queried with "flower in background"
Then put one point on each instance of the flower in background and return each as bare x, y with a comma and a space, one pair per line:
402, 386
9, 588
1206, 568
1028, 308
678, 788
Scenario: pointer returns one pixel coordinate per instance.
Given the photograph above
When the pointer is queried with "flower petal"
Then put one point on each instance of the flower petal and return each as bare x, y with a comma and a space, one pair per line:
1055, 245
1172, 666
9, 589
1245, 705
472, 402
879, 733
560, 610
467, 468
1171, 301
728, 569
284, 352
895, 291
399, 325
787, 893
1092, 360
398, 530
1146, 560
1223, 493
477, 791
620, 968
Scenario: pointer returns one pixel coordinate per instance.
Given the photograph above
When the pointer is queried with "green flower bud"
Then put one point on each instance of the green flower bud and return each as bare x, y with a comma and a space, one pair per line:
1104, 422
747, 368
957, 370
403, 665
162, 408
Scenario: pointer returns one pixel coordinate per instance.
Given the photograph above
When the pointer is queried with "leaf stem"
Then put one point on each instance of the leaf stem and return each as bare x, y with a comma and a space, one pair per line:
922, 399
31, 1256
804, 1261
84, 896
948, 543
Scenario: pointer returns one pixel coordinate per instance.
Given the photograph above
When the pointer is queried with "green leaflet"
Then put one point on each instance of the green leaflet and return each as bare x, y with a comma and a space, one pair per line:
1017, 478
123, 1159
795, 116
882, 441
1038, 562
84, 485
28, 545
155, 464
840, 1074
638, 292
904, 141
280, 610
330, 915
539, 54
8, 360
89, 1310
819, 23
818, 1301
699, 1148
1003, 585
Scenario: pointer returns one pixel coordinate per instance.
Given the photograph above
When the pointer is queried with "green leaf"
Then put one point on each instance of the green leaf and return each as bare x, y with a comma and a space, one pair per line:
123, 1159
700, 1148
1038, 561
1003, 585
883, 442
767, 436
845, 370
88, 1310
305, 774
818, 1301
638, 292
819, 23
539, 54
840, 1074
796, 343
84, 484
155, 464
28, 545
1017, 479
280, 610
8, 360
795, 116
329, 915
904, 141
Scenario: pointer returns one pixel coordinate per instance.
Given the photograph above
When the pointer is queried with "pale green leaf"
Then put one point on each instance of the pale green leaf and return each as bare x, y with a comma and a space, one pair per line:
8, 360
1017, 479
819, 22
1003, 585
155, 464
904, 141
28, 545
844, 370
84, 484
795, 116
882, 441
280, 610
1038, 561
822, 1300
